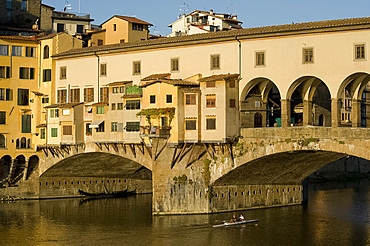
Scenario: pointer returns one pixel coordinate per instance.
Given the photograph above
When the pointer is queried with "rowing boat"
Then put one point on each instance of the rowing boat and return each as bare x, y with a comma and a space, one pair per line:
236, 223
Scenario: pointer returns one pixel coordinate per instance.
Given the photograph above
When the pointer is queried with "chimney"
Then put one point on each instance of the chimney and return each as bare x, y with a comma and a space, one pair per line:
211, 12
235, 17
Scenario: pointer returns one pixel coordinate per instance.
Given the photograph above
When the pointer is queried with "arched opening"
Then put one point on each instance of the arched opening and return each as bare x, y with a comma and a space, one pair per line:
28, 143
32, 165
17, 143
23, 143
46, 51
257, 120
5, 163
2, 141
321, 120
354, 101
19, 163
309, 98
260, 100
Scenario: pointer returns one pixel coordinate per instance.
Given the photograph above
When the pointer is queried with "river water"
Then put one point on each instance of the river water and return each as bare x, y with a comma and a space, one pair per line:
336, 214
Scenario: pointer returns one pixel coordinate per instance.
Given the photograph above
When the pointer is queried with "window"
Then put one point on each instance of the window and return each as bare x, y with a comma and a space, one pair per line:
31, 51
26, 73
190, 99
121, 41
23, 97
63, 73
175, 64
122, 89
17, 50
152, 98
104, 94
307, 55
42, 134
359, 51
45, 100
137, 27
260, 58
101, 127
67, 130
113, 106
168, 98
132, 126
9, 4
100, 110
88, 129
210, 101
190, 124
232, 103
9, 15
211, 123
232, 83
24, 5
54, 132
62, 96
66, 111
54, 113
2, 94
80, 28
60, 27
46, 51
9, 94
26, 123
2, 117
210, 84
115, 90
136, 68
103, 69
4, 50
119, 106
114, 27
100, 42
74, 96
215, 62
46, 75
132, 104
2, 141
114, 126
5, 72
88, 94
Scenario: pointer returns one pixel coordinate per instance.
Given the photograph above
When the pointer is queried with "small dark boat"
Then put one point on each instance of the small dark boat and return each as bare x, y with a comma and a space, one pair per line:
236, 223
123, 193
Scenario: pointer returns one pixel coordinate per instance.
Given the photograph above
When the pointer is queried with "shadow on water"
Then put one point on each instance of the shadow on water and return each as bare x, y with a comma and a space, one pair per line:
337, 214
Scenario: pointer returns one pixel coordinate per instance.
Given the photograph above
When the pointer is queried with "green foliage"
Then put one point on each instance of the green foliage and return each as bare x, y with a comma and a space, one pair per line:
342, 142
156, 113
181, 179
288, 140
310, 140
210, 192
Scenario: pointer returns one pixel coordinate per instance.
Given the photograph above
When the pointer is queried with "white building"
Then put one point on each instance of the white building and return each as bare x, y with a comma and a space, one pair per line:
203, 22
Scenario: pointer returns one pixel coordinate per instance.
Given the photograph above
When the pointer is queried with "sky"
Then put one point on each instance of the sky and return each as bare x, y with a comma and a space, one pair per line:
253, 13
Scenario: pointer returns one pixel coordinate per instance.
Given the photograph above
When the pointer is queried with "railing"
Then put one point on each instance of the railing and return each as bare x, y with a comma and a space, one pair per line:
155, 131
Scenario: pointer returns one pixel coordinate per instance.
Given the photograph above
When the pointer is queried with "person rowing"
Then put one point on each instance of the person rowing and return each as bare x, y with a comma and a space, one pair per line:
233, 219
241, 217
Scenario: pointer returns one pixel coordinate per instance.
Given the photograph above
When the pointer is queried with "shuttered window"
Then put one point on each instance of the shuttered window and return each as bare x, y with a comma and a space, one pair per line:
132, 126
46, 75
26, 123
2, 117
67, 130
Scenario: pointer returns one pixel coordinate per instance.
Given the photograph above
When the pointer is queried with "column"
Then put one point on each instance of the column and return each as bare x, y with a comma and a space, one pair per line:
285, 112
335, 112
356, 113
307, 113
25, 171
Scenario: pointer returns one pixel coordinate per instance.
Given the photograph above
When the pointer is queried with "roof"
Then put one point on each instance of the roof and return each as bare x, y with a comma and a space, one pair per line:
129, 19
19, 38
132, 96
100, 104
69, 16
63, 105
50, 35
217, 15
174, 82
157, 76
119, 83
218, 77
247, 33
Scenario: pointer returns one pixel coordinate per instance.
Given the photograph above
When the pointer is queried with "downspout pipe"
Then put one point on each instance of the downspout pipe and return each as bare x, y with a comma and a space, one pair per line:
240, 75
98, 75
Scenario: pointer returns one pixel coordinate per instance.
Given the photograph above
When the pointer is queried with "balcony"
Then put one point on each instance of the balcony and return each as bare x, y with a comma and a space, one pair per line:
155, 131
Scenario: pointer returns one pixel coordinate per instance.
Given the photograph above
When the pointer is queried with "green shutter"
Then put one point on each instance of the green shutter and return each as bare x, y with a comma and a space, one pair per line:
26, 123
32, 73
8, 72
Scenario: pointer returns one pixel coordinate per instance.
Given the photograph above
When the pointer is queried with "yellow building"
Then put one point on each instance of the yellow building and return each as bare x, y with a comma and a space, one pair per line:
120, 29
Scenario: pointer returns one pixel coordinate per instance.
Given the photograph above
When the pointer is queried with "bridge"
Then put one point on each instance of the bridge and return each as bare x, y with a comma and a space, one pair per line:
265, 167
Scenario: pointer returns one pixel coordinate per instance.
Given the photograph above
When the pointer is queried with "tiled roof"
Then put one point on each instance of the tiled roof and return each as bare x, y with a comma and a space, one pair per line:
49, 36
100, 104
157, 76
132, 96
174, 82
63, 105
18, 38
218, 77
119, 83
129, 19
288, 29
217, 16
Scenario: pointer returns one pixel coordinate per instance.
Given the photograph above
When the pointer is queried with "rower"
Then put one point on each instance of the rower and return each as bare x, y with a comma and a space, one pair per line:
241, 217
234, 219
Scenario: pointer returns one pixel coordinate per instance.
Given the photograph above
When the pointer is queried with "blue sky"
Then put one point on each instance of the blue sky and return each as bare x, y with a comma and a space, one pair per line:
252, 13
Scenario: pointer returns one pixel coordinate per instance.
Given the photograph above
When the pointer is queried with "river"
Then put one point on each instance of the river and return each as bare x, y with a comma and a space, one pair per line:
336, 214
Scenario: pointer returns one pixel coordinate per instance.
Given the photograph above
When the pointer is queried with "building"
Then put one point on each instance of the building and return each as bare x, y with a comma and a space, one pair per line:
73, 24
203, 22
20, 13
120, 29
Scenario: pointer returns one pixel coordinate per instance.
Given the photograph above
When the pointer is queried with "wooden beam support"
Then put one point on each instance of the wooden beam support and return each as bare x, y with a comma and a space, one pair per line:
115, 147
210, 155
191, 154
99, 146
173, 157
160, 151
132, 147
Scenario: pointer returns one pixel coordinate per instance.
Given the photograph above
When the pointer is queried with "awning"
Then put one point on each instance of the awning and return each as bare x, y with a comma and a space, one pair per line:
95, 123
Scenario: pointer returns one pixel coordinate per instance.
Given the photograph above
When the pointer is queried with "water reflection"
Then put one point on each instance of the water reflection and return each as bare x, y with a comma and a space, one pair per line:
337, 214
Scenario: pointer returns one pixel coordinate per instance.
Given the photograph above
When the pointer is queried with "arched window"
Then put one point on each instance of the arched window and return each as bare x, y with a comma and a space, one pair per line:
46, 51
257, 120
29, 143
23, 143
321, 120
17, 144
2, 141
